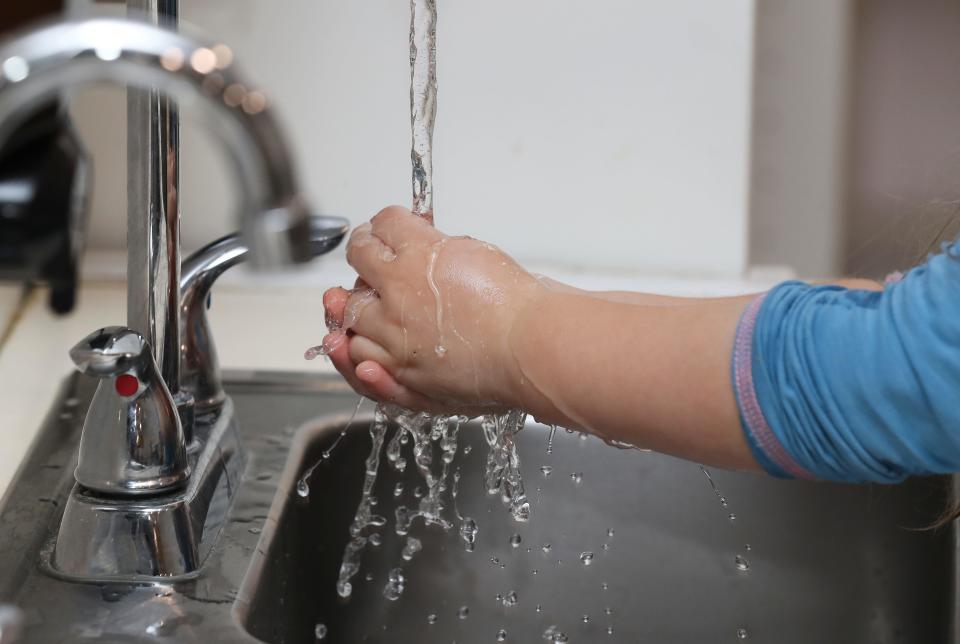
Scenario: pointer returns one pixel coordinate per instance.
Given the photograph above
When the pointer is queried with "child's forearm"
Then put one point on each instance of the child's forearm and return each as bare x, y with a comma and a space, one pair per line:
655, 375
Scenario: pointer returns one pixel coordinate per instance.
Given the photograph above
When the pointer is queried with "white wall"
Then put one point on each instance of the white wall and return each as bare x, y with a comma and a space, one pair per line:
610, 134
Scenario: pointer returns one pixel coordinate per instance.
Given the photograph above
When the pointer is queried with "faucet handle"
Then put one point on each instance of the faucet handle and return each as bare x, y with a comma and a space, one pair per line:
133, 441
110, 351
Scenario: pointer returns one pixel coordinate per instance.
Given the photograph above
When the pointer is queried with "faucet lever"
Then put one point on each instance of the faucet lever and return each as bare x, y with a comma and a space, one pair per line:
110, 351
133, 441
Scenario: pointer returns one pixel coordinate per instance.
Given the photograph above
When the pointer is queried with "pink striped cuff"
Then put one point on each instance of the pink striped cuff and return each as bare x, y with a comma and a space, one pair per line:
756, 423
893, 278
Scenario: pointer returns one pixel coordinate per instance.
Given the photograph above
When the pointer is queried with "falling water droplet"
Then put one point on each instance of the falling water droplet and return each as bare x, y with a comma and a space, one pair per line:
463, 612
585, 619
546, 547
609, 532
376, 539
546, 470
468, 532
604, 586
742, 634
501, 635
607, 610
555, 635
410, 548
748, 547
510, 599
742, 564
303, 489
432, 618
577, 477
732, 516
586, 558
553, 432
536, 572
398, 489
609, 630
515, 541
395, 585
539, 608
440, 350
320, 631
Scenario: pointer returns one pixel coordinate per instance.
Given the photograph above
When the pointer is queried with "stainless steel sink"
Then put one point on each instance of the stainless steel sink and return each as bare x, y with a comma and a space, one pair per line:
827, 563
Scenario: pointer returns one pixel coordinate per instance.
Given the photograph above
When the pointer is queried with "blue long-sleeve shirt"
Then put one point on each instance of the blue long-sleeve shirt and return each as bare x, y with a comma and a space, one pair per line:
851, 385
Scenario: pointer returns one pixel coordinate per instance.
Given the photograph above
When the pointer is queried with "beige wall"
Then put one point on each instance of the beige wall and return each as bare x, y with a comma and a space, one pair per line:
800, 94
904, 174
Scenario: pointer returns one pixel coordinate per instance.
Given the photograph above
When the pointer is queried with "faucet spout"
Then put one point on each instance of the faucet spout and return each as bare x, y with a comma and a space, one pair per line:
39, 64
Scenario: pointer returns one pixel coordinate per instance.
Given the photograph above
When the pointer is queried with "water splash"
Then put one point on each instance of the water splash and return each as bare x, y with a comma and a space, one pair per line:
502, 473
313, 352
364, 517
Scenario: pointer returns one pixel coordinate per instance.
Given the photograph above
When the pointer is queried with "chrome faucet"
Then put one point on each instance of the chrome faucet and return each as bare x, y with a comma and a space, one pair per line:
154, 482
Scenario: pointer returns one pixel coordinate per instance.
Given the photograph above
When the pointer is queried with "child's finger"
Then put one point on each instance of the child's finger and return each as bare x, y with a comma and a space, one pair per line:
363, 312
364, 349
338, 350
369, 256
386, 389
397, 226
334, 302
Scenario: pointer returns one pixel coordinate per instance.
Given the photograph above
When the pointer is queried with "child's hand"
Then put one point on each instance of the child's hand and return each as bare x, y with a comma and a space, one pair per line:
428, 325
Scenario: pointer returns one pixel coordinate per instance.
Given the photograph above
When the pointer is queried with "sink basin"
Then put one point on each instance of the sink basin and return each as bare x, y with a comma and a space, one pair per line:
782, 562
826, 563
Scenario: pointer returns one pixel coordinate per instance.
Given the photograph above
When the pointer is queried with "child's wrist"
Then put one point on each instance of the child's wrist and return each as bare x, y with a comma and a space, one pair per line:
518, 389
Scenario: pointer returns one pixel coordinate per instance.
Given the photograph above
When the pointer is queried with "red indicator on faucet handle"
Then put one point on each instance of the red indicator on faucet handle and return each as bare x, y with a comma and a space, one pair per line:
126, 385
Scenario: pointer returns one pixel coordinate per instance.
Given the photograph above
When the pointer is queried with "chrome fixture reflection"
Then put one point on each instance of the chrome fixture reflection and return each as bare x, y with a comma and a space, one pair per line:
154, 483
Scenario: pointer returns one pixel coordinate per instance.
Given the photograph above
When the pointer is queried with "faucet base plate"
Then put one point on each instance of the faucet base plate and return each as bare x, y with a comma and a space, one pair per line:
166, 537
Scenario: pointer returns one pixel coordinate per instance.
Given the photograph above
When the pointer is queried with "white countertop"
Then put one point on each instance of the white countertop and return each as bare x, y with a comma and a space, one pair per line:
259, 322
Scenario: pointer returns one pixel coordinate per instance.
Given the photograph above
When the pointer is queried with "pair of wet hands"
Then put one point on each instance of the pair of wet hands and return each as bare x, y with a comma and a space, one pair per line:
430, 321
